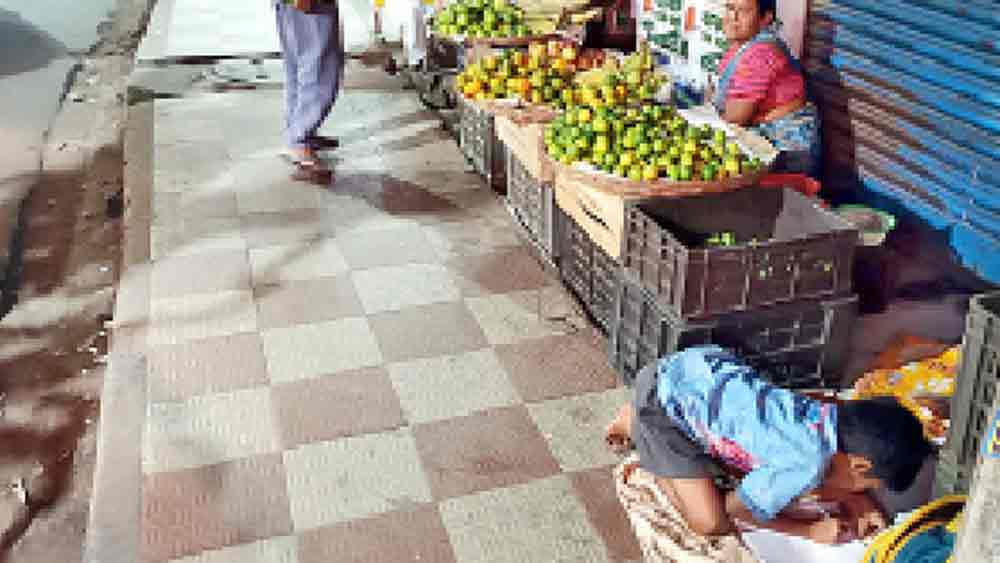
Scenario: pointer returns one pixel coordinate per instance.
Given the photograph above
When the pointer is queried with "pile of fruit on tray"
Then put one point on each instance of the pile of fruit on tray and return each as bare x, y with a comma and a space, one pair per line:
645, 143
615, 125
481, 19
543, 75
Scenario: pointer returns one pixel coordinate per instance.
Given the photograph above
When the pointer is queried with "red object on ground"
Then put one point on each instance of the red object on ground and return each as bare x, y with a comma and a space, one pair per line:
798, 182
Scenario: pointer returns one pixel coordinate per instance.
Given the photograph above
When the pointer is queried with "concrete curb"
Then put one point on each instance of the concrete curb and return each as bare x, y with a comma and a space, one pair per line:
114, 524
114, 532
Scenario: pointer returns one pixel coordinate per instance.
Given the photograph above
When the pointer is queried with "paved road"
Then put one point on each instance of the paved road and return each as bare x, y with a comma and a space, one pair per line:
39, 43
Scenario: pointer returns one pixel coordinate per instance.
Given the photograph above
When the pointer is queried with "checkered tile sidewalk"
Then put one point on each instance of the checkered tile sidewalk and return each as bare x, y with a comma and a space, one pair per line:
375, 372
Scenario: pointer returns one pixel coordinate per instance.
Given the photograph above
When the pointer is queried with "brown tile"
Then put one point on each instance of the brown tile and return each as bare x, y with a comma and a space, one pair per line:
596, 489
187, 512
329, 407
427, 331
281, 227
407, 535
200, 273
387, 247
496, 448
503, 271
211, 365
557, 366
306, 301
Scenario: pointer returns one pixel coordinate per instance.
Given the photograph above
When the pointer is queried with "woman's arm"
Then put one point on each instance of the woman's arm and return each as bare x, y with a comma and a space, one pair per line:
739, 111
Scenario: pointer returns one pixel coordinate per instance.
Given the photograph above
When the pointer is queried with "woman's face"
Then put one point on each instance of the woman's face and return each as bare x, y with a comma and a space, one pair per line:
742, 21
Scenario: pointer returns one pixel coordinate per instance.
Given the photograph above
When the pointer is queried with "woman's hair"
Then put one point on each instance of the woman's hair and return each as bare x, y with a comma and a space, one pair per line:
886, 434
765, 6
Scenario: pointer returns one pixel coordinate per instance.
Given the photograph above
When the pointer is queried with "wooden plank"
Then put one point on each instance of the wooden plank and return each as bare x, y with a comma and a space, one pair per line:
616, 185
601, 215
527, 142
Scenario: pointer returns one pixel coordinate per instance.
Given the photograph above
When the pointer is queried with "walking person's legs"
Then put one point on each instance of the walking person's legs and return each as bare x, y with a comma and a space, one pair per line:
318, 64
312, 50
290, 61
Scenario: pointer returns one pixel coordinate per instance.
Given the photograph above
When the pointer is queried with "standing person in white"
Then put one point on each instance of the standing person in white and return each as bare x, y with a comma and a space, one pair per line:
416, 34
313, 55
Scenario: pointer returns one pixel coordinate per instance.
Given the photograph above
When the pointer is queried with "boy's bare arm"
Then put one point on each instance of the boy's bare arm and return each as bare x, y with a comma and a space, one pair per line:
826, 530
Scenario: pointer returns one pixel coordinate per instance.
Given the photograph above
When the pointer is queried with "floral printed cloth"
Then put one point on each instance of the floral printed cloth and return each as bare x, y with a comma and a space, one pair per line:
663, 533
797, 137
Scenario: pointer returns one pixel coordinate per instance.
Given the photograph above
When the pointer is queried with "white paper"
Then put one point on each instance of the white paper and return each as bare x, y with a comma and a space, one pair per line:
772, 547
751, 143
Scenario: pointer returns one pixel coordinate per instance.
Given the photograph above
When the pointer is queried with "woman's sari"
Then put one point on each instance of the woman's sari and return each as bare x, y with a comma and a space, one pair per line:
796, 135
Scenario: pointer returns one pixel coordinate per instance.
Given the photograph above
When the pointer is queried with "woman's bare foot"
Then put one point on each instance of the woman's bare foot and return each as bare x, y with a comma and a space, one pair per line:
619, 433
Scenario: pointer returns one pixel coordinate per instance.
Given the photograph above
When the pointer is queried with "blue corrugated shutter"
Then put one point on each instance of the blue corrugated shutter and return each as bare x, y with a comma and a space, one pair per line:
910, 92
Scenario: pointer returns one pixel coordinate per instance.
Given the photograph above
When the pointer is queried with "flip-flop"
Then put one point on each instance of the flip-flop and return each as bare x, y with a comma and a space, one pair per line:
324, 143
312, 171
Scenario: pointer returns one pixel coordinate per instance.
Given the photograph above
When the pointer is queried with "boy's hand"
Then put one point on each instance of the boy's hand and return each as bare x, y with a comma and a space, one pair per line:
828, 531
864, 513
303, 5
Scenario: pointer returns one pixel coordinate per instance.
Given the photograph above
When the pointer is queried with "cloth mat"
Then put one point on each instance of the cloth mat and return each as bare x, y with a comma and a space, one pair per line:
663, 534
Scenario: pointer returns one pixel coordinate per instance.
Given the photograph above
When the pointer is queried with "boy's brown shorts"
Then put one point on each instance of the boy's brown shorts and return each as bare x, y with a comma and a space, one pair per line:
664, 449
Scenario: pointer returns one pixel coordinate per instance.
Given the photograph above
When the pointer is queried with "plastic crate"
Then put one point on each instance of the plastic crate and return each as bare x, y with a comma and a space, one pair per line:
975, 391
799, 345
796, 250
479, 144
533, 202
587, 270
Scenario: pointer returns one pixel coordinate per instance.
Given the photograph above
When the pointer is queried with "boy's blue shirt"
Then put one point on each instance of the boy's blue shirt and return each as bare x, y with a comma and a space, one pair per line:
782, 440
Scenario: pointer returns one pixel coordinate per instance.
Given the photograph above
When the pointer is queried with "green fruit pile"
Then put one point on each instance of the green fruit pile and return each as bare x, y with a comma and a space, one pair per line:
481, 19
645, 142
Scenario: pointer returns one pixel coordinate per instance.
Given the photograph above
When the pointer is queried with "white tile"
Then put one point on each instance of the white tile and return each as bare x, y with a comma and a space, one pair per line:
393, 288
208, 430
266, 185
352, 478
201, 315
350, 214
272, 550
310, 350
538, 521
511, 317
305, 260
574, 428
452, 386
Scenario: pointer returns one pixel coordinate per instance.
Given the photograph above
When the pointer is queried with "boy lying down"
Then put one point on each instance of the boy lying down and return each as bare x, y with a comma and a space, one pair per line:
704, 408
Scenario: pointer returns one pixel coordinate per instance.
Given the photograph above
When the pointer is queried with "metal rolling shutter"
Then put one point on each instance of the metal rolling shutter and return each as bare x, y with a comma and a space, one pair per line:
910, 93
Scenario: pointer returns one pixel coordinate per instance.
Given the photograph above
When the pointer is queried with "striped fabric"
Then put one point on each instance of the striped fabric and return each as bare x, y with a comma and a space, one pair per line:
764, 75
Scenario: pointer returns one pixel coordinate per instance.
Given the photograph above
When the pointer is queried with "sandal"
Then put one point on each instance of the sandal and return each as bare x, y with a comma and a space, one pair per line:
320, 142
312, 171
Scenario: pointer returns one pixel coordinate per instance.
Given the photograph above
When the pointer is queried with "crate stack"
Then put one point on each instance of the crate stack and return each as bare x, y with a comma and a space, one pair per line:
972, 405
479, 143
589, 239
530, 195
776, 288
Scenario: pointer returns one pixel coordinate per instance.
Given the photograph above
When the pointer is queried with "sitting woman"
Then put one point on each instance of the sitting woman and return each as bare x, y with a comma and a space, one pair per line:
761, 86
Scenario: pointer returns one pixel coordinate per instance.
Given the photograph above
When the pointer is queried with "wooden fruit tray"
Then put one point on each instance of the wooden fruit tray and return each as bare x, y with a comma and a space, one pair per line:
618, 186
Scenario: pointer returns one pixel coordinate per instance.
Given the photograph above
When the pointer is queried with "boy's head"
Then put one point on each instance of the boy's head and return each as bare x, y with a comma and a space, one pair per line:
878, 442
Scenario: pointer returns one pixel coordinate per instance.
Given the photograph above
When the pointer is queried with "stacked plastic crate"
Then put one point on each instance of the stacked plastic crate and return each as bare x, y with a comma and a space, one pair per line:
764, 272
